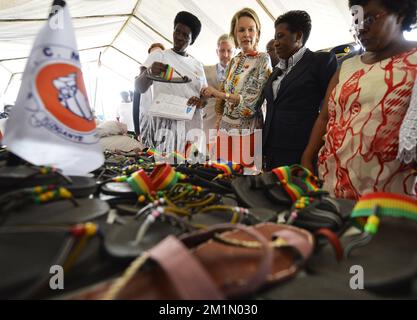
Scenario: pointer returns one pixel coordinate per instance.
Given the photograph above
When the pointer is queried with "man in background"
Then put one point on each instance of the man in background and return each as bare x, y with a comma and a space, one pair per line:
3, 117
216, 74
270, 49
137, 95
124, 111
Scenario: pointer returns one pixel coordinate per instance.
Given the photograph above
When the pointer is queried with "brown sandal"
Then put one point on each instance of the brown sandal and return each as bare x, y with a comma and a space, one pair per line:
214, 264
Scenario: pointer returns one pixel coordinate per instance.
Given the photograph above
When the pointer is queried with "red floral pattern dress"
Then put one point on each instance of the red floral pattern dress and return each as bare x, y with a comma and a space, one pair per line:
366, 110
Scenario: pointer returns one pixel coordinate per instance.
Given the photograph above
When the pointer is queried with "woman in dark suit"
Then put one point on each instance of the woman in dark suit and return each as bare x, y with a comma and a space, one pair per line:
294, 91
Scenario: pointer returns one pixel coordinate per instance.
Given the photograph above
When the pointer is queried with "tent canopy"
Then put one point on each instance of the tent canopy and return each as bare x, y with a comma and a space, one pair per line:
124, 29
121, 31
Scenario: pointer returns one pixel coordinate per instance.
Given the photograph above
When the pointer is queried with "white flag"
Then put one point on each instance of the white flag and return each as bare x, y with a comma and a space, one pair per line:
52, 123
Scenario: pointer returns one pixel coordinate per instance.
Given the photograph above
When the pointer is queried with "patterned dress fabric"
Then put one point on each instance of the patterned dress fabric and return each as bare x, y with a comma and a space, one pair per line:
246, 75
366, 110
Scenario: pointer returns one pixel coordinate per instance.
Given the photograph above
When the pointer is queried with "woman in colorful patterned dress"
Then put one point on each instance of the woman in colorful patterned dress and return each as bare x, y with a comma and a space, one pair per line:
358, 130
246, 75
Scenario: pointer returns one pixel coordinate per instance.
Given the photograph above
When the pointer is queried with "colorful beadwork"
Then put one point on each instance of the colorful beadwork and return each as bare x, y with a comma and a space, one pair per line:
164, 177
227, 167
120, 179
286, 175
140, 182
168, 73
303, 202
389, 204
151, 152
55, 194
178, 156
46, 170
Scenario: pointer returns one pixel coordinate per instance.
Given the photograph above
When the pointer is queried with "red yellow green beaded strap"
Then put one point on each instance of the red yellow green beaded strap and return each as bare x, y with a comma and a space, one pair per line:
140, 182
151, 152
285, 175
47, 170
44, 194
164, 176
178, 156
373, 205
227, 167
312, 182
81, 232
168, 73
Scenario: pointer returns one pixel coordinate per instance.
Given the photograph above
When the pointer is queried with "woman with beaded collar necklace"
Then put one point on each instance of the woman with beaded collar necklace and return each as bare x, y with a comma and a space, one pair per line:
246, 75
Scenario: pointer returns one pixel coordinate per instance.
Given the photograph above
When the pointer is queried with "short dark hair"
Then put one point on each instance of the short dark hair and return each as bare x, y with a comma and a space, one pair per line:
404, 8
190, 21
297, 21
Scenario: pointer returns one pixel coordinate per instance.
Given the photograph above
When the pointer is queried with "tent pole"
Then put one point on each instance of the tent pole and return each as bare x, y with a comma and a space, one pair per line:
8, 83
124, 24
262, 5
95, 89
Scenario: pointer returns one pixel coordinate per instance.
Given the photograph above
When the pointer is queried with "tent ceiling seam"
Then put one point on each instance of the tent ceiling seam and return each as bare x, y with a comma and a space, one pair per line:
155, 31
124, 24
73, 18
7, 69
262, 5
8, 83
117, 49
85, 49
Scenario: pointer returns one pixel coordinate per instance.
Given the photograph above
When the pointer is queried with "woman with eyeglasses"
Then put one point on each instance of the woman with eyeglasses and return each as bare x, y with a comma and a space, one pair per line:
365, 136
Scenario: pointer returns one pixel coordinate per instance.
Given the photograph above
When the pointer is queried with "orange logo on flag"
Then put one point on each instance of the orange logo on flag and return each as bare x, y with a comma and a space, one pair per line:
61, 89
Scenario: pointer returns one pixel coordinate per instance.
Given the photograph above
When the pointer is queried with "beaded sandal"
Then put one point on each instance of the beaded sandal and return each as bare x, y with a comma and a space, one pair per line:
48, 206
217, 214
320, 211
385, 250
149, 227
23, 176
75, 248
213, 264
276, 190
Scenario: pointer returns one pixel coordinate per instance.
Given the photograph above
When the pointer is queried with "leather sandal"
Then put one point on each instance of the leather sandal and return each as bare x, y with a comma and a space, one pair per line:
212, 265
24, 176
385, 249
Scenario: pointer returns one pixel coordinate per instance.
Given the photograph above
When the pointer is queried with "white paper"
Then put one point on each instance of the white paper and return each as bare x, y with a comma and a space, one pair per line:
171, 107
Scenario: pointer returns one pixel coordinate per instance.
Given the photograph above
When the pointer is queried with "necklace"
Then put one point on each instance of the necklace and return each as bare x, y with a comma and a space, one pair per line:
238, 70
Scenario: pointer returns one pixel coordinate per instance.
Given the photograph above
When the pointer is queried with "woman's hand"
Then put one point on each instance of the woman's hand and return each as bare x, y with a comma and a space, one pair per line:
156, 68
307, 162
196, 101
209, 92
218, 120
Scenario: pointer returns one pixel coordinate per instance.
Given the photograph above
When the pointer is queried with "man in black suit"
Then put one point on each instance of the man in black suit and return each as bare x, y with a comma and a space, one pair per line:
294, 92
